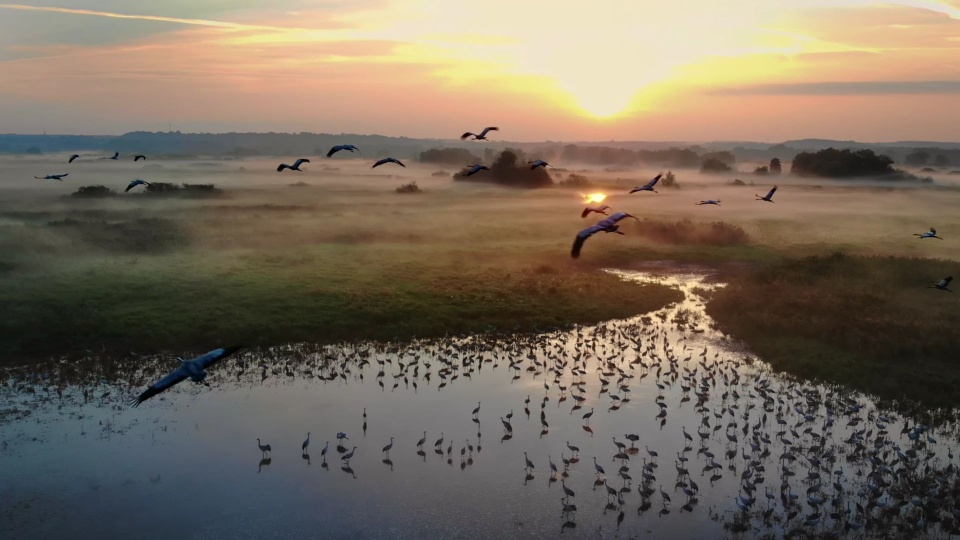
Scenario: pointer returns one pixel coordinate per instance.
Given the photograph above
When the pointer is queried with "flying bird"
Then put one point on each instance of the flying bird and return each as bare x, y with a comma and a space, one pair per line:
294, 167
538, 163
73, 157
136, 183
932, 233
482, 136
648, 186
598, 209
710, 201
340, 147
943, 284
768, 197
477, 168
52, 177
138, 157
608, 225
193, 369
115, 155
388, 160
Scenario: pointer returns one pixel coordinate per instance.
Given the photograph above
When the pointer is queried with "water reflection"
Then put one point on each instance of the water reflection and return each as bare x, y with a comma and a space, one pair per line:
682, 421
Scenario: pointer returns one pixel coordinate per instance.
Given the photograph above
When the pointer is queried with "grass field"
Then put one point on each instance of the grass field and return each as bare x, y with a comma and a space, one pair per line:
336, 254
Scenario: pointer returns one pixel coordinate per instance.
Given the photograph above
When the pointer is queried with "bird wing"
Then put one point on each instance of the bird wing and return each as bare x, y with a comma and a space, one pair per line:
485, 130
73, 157
653, 182
379, 163
216, 355
772, 191
946, 281
610, 221
173, 378
582, 237
467, 134
586, 212
298, 162
282, 166
934, 231
397, 161
334, 150
130, 186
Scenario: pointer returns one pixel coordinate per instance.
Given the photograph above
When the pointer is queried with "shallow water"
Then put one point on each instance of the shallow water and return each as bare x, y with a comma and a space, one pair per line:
82, 464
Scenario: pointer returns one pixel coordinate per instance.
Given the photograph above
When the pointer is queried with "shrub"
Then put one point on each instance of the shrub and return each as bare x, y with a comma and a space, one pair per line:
833, 163
687, 232
93, 192
412, 187
182, 190
440, 173
714, 165
510, 169
761, 171
669, 180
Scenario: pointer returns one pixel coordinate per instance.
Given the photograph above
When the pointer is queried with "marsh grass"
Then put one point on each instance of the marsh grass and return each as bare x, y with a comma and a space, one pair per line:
869, 323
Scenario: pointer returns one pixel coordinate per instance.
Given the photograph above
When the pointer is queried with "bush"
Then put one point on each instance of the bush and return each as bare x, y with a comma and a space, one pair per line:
761, 171
687, 232
440, 173
412, 187
182, 190
93, 192
510, 169
833, 163
737, 182
299, 184
714, 165
669, 180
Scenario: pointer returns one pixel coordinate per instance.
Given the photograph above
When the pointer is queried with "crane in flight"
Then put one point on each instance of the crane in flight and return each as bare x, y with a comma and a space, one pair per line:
340, 147
601, 209
709, 201
943, 284
608, 225
481, 137
73, 157
768, 197
388, 160
135, 183
138, 157
477, 168
932, 233
193, 369
52, 177
648, 186
294, 167
116, 155
538, 163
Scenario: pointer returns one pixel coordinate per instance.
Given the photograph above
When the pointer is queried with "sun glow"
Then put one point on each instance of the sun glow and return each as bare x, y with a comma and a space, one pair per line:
594, 198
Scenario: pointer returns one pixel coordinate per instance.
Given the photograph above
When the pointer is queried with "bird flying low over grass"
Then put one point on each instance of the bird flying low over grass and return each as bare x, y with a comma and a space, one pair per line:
648, 186
477, 168
194, 369
482, 136
116, 155
709, 201
602, 209
768, 197
73, 157
135, 183
608, 225
932, 233
138, 157
943, 284
387, 160
538, 163
52, 177
294, 167
340, 147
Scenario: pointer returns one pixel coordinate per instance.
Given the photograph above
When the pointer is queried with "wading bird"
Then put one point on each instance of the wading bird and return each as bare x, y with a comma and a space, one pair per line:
138, 157
294, 167
52, 177
602, 209
932, 233
306, 443
710, 201
482, 136
136, 183
388, 160
116, 155
477, 168
768, 197
943, 284
538, 163
264, 448
340, 147
194, 369
648, 186
606, 225
73, 157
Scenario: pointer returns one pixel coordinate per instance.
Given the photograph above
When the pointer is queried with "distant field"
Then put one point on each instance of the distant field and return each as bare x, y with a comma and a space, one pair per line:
335, 253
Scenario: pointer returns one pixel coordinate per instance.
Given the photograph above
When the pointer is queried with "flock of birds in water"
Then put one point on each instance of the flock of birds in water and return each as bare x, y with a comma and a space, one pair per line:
742, 417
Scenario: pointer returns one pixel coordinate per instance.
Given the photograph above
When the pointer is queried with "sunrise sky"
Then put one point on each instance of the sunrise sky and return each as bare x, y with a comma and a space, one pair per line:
695, 70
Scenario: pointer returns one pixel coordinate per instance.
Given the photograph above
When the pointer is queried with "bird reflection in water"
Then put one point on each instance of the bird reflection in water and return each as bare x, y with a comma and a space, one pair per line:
263, 462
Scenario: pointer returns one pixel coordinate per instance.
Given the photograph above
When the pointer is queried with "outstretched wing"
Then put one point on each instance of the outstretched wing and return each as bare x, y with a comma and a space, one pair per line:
282, 166
772, 191
486, 130
216, 355
397, 161
334, 150
73, 157
170, 380
467, 134
946, 281
379, 163
300, 162
130, 186
586, 212
613, 219
653, 182
582, 237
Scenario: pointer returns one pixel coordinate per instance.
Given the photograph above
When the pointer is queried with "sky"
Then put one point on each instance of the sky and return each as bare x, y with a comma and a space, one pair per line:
682, 70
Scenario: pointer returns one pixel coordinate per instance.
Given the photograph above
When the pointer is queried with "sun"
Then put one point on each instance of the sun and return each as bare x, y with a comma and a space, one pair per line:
600, 99
594, 198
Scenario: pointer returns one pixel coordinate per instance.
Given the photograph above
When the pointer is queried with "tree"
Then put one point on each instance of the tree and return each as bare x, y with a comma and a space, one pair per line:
775, 166
714, 165
510, 169
941, 161
725, 157
833, 163
670, 181
761, 171
917, 158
